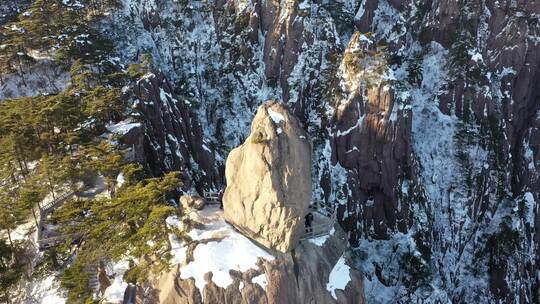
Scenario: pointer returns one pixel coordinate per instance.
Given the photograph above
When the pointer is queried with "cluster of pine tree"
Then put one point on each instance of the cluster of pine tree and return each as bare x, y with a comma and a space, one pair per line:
54, 28
51, 144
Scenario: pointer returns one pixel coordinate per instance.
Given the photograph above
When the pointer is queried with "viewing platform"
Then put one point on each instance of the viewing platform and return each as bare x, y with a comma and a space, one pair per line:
324, 215
324, 219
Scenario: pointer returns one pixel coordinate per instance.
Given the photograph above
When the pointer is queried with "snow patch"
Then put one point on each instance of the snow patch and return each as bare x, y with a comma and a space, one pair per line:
304, 5
47, 291
358, 124
115, 292
476, 57
178, 249
122, 127
26, 231
120, 180
276, 117
232, 252
339, 277
319, 241
361, 11
261, 280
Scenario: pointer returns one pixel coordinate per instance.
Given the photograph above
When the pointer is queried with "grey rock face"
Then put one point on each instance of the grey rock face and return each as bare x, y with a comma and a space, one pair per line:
492, 83
9, 9
382, 159
371, 140
172, 136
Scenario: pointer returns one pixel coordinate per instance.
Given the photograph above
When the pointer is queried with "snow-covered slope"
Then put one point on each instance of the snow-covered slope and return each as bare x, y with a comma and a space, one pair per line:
220, 265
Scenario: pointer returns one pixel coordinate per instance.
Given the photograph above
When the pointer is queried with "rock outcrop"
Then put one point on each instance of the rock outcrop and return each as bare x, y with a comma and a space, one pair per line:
318, 271
372, 142
170, 137
192, 202
269, 179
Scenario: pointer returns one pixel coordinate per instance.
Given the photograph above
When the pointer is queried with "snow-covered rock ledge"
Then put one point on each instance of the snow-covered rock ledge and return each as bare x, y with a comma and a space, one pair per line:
221, 265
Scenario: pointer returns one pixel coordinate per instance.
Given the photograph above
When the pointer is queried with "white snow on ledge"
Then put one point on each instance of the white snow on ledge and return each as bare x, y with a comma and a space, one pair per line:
339, 277
349, 130
304, 5
122, 127
120, 179
276, 117
232, 251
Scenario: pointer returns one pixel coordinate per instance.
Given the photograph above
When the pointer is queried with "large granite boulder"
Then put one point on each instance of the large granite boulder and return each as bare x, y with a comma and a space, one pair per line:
269, 179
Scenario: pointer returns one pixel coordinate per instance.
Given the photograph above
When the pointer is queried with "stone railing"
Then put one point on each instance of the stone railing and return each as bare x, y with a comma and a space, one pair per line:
317, 229
46, 243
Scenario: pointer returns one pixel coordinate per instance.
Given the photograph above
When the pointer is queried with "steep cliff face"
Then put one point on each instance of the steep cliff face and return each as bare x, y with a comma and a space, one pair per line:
9, 9
482, 99
371, 141
170, 137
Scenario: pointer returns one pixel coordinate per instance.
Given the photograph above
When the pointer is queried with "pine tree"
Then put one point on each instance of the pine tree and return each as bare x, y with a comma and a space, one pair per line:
104, 159
11, 271
104, 104
29, 198
12, 214
76, 279
133, 221
47, 173
137, 70
46, 145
